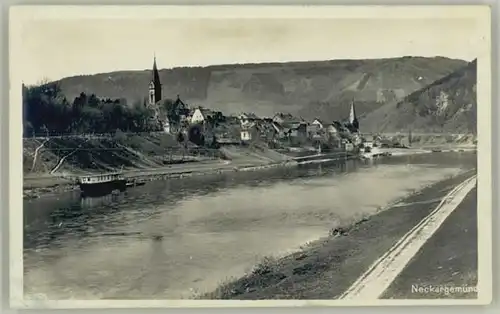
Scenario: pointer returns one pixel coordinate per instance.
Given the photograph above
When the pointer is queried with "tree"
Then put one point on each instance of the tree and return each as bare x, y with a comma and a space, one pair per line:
180, 137
44, 130
173, 111
217, 118
46, 110
196, 135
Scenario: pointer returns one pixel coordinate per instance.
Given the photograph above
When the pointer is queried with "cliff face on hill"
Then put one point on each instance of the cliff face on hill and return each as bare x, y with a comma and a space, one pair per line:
309, 89
448, 105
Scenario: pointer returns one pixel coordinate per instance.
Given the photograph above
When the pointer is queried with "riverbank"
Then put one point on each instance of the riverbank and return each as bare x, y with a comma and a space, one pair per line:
45, 184
34, 187
327, 267
245, 160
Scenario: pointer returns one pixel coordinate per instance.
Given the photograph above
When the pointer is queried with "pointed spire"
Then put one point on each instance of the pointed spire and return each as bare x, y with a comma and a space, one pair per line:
353, 120
156, 75
352, 113
155, 81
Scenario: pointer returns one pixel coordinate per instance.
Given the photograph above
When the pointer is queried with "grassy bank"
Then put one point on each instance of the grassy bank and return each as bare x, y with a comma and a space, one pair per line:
81, 154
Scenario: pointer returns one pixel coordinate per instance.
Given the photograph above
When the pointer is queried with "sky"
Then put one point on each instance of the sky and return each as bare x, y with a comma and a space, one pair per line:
53, 48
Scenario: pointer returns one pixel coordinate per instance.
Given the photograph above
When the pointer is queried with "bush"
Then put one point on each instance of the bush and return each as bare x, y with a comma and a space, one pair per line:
120, 137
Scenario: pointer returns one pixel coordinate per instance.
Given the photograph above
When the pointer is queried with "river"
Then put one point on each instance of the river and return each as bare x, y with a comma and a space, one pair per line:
180, 238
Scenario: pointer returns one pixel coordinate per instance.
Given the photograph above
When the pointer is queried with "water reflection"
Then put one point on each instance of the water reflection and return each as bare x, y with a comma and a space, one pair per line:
106, 200
68, 214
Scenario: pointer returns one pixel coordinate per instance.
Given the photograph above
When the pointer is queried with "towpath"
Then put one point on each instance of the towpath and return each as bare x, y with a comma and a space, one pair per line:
366, 261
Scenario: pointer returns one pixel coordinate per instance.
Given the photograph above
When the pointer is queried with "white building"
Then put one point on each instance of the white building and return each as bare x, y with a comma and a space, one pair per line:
199, 115
246, 135
318, 123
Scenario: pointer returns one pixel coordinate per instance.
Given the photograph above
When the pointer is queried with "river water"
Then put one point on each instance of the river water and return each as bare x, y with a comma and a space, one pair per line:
179, 238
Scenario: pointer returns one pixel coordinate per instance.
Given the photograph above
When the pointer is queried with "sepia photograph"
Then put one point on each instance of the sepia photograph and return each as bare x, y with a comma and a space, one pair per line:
249, 155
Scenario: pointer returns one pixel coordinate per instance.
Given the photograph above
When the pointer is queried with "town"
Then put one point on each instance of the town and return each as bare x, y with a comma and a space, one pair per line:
203, 126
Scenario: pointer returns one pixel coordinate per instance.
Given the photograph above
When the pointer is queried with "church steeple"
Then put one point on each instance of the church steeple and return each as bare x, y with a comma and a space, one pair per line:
353, 119
155, 85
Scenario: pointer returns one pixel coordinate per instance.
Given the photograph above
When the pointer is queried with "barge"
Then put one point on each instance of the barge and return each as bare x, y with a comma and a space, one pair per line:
102, 184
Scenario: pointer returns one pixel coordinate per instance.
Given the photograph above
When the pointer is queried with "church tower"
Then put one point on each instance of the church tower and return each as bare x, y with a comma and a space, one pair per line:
353, 119
154, 86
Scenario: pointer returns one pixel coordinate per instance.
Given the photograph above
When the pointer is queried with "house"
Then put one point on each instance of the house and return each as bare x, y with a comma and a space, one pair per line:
385, 143
335, 140
372, 141
332, 129
318, 123
280, 131
249, 133
229, 129
182, 111
368, 144
356, 139
185, 117
248, 118
298, 129
166, 126
200, 115
267, 130
284, 117
246, 135
347, 145
233, 120
312, 128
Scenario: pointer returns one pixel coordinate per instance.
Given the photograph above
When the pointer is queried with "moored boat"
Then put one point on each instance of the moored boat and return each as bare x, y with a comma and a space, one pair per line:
102, 184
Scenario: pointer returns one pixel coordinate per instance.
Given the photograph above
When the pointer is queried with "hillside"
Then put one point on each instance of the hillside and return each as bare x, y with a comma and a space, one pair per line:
309, 89
447, 105
107, 153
